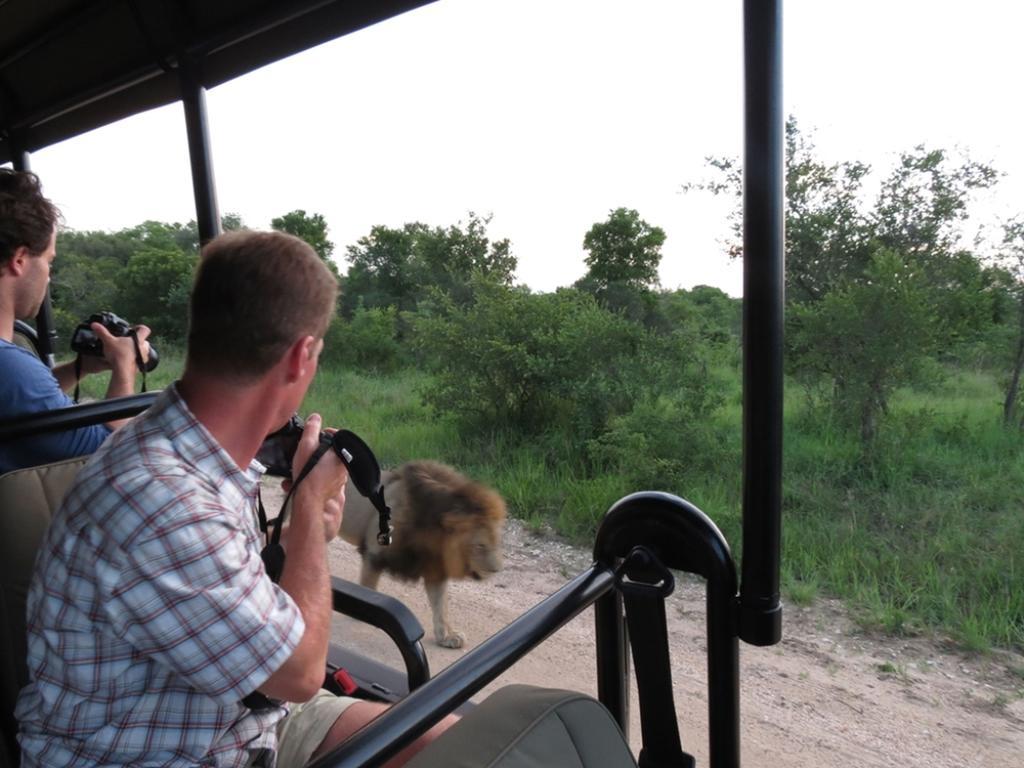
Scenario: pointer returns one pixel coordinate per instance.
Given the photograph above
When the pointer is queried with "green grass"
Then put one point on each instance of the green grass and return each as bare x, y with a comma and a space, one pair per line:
927, 532
924, 533
172, 361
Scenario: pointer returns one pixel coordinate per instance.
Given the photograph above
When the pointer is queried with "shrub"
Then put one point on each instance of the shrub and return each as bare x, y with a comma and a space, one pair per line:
529, 362
366, 342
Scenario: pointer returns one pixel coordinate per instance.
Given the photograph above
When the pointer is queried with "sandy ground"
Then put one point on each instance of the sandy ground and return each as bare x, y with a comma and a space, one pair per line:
828, 695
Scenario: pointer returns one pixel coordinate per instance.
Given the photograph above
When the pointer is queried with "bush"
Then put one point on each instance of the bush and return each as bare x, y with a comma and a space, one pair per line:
529, 362
561, 369
154, 289
366, 342
663, 439
866, 340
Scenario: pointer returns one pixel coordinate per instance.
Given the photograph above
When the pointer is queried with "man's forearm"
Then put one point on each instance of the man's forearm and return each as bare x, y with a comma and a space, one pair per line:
306, 579
305, 576
122, 382
65, 375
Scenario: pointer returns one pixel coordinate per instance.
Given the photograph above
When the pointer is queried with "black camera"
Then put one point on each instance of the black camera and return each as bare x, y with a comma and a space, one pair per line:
279, 448
85, 342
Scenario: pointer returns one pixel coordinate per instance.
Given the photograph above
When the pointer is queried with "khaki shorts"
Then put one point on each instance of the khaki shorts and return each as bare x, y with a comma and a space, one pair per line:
305, 727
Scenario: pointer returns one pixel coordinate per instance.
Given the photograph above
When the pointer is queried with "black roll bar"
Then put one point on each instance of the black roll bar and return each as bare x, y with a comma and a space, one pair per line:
413, 715
682, 538
46, 329
391, 616
193, 99
673, 530
20, 160
75, 416
760, 609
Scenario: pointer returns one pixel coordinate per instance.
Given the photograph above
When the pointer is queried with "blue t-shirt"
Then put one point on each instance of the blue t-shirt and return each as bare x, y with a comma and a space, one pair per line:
28, 386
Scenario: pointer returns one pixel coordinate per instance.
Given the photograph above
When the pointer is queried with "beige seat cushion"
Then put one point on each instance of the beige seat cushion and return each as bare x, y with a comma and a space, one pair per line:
521, 726
25, 343
28, 499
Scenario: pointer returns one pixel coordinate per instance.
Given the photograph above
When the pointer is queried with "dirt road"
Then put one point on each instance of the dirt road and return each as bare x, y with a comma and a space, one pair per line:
828, 695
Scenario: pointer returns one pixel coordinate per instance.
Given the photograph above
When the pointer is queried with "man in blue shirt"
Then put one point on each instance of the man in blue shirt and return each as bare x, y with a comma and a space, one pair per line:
28, 233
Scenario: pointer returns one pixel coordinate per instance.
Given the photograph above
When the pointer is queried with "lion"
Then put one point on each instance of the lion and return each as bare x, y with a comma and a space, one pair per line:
444, 526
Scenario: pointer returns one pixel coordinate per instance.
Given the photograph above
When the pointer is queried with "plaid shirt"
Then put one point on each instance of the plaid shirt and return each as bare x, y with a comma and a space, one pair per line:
150, 614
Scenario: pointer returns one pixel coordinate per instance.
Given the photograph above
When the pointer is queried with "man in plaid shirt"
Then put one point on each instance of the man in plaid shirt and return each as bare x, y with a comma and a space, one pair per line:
150, 614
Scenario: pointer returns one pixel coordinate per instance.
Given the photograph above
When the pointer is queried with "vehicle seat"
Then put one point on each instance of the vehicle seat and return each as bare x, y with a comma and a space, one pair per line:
28, 498
522, 726
25, 337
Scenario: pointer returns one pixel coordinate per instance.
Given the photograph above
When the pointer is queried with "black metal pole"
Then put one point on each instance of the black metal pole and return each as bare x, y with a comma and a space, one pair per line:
46, 329
20, 159
413, 715
612, 658
760, 620
193, 98
723, 677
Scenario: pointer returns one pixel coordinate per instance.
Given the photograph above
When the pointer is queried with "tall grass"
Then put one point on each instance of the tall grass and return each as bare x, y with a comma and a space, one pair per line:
924, 532
927, 530
172, 361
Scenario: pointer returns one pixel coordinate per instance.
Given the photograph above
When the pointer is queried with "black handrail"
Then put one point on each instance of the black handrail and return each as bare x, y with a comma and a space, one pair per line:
390, 616
75, 416
675, 531
428, 704
683, 538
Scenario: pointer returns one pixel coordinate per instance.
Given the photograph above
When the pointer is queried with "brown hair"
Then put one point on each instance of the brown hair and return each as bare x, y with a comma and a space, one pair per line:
255, 294
26, 217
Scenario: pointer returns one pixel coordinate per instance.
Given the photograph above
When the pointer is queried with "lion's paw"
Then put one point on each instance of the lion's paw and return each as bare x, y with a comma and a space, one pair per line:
452, 640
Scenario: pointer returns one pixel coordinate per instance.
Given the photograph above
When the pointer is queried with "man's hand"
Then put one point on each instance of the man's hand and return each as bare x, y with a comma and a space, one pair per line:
323, 489
118, 357
118, 351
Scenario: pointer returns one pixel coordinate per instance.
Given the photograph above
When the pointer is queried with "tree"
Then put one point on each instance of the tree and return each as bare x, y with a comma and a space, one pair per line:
454, 255
1013, 261
160, 235
920, 211
868, 339
833, 241
516, 360
399, 267
830, 237
154, 287
383, 272
92, 275
231, 222
924, 201
311, 228
827, 235
367, 342
712, 314
83, 280
623, 249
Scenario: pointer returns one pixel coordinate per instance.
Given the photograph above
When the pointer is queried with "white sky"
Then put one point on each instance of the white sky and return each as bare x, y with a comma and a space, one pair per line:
550, 113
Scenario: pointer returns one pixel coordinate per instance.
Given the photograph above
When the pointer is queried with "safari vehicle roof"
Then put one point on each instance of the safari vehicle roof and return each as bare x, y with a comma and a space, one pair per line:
68, 66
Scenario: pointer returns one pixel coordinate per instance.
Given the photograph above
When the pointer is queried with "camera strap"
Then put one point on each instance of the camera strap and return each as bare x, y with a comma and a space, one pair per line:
78, 374
139, 362
273, 552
